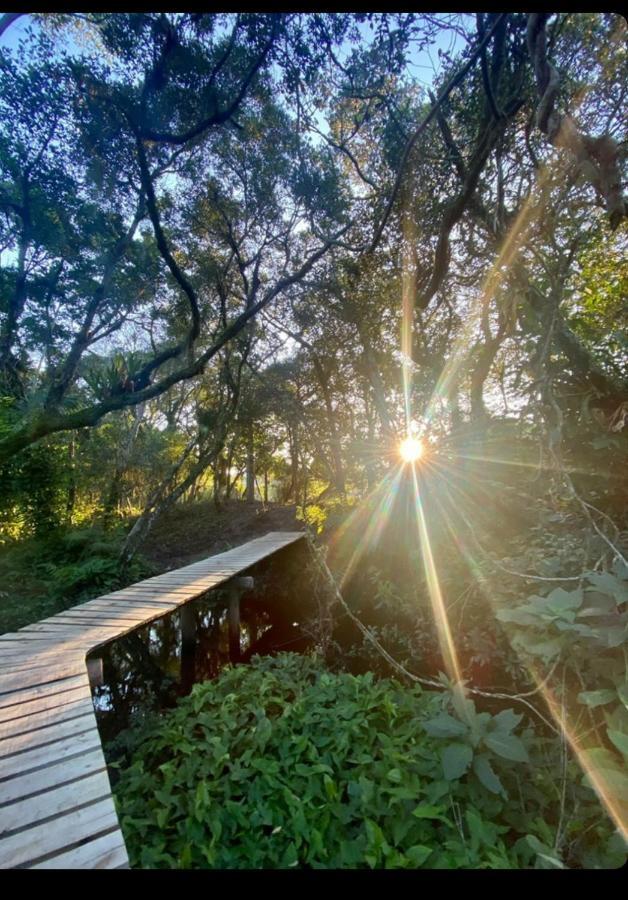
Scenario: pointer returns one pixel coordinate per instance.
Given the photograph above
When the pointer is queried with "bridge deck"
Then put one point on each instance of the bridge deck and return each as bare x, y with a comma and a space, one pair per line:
56, 807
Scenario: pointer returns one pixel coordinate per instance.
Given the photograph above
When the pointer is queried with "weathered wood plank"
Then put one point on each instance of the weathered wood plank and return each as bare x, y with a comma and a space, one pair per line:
67, 829
50, 701
51, 776
59, 800
50, 753
55, 731
106, 852
17, 697
15, 681
39, 720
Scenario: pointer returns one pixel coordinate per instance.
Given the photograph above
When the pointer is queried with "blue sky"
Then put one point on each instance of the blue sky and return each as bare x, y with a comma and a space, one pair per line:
423, 65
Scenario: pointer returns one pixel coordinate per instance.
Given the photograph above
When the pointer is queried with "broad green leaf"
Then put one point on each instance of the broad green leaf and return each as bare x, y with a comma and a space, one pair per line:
507, 745
445, 725
597, 698
560, 599
456, 759
547, 650
620, 740
506, 720
609, 584
483, 769
418, 854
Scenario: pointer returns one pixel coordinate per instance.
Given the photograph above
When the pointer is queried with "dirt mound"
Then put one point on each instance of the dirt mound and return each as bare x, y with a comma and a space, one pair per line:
192, 531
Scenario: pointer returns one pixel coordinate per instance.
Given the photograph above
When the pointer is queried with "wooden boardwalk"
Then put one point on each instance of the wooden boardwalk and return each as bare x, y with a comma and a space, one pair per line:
56, 808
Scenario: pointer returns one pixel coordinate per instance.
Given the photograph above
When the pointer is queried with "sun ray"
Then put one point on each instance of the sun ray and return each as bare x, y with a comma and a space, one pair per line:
601, 779
445, 638
377, 521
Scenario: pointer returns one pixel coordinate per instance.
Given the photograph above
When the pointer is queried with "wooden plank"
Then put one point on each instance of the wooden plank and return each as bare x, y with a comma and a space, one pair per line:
99, 617
48, 701
37, 720
69, 629
16, 681
127, 607
55, 731
106, 852
14, 698
27, 640
19, 662
22, 813
26, 760
67, 829
26, 667
33, 722
51, 776
27, 652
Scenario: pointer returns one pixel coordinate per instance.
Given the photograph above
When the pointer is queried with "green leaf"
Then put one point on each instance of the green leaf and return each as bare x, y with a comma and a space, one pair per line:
418, 854
445, 726
547, 650
330, 787
456, 759
483, 769
506, 720
560, 599
597, 698
609, 584
507, 745
620, 740
546, 858
464, 706
426, 811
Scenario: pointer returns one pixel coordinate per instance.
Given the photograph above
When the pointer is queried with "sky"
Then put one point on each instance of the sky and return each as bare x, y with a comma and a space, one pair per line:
423, 65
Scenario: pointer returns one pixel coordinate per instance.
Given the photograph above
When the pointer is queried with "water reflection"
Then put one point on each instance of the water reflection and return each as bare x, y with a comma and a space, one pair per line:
149, 669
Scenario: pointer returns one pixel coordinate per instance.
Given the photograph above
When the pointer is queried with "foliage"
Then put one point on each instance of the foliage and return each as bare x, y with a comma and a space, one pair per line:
47, 574
584, 630
284, 764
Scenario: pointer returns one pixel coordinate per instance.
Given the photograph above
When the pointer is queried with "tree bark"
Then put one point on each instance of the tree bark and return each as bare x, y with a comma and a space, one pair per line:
250, 467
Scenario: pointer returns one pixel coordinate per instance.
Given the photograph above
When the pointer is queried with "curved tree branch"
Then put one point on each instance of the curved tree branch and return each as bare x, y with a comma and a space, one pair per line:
598, 157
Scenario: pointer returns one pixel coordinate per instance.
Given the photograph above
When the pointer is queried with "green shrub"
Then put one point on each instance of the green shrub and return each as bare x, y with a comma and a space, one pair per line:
283, 764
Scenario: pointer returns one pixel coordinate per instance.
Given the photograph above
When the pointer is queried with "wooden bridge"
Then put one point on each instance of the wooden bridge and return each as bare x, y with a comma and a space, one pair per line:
56, 807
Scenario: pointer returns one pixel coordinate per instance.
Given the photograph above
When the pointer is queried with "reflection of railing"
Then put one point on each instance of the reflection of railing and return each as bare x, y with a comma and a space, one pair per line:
56, 808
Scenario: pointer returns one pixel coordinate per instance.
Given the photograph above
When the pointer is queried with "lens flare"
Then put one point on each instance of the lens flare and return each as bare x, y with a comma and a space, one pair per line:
411, 449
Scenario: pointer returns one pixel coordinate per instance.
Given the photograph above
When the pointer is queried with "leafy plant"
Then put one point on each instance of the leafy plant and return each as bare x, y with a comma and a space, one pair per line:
283, 764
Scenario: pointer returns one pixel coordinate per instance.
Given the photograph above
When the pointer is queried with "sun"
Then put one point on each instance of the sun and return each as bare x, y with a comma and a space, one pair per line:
411, 449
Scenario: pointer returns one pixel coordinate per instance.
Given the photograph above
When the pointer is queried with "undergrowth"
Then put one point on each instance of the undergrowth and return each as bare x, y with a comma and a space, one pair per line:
41, 576
284, 764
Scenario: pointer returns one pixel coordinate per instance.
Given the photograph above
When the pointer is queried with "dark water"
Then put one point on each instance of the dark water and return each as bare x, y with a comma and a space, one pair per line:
149, 669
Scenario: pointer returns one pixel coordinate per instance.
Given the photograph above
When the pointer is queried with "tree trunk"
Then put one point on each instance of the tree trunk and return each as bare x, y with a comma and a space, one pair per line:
122, 463
250, 467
